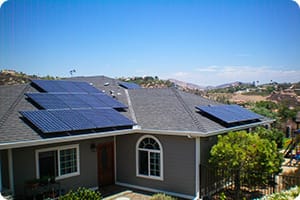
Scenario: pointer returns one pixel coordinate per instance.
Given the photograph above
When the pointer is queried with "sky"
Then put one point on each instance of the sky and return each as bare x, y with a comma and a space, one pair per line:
205, 42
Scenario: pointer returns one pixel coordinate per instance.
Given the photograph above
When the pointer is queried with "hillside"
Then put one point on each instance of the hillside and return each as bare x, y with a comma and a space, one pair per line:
11, 77
236, 92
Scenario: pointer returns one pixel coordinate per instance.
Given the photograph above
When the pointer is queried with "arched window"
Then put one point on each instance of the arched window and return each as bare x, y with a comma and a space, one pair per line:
149, 158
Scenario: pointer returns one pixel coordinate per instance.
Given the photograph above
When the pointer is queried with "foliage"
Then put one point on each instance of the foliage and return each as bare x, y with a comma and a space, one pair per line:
161, 196
290, 194
285, 112
244, 154
271, 135
149, 81
265, 108
82, 193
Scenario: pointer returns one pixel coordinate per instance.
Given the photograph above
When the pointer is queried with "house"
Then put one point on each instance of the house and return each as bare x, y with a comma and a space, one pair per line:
149, 139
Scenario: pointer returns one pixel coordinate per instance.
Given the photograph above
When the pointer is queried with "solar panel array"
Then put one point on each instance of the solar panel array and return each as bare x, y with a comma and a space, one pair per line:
129, 85
58, 86
51, 121
73, 106
229, 113
74, 100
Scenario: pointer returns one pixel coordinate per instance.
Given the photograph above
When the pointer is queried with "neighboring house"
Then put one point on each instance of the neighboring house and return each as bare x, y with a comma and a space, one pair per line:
155, 141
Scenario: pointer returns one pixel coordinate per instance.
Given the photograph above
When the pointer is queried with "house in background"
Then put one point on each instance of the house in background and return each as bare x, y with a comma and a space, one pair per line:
96, 131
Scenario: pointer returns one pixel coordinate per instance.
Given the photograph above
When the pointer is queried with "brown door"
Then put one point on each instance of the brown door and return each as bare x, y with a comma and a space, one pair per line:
106, 171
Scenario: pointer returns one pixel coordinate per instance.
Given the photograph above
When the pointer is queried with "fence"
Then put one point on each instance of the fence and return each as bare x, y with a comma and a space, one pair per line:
234, 184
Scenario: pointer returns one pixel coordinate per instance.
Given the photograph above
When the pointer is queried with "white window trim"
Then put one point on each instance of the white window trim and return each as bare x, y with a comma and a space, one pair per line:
58, 149
161, 177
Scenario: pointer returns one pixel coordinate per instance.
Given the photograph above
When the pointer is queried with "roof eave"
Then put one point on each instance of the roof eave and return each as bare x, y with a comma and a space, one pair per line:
193, 134
189, 134
29, 143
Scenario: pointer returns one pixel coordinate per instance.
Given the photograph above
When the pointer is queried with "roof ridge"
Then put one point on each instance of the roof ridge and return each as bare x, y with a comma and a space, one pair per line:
13, 105
187, 109
130, 106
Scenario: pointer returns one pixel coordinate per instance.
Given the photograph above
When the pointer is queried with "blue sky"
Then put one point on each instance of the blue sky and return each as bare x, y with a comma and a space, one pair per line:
207, 42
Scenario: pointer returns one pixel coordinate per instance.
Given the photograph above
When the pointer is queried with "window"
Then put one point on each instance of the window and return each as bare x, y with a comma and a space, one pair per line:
60, 162
149, 158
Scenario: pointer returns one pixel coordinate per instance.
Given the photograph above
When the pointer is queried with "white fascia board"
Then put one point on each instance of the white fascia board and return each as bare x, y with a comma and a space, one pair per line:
28, 143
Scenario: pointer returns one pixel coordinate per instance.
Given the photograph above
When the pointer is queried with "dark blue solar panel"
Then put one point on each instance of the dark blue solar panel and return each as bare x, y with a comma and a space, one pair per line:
73, 119
69, 86
229, 113
117, 118
87, 87
72, 101
45, 121
91, 100
58, 86
109, 101
48, 85
100, 121
129, 85
47, 101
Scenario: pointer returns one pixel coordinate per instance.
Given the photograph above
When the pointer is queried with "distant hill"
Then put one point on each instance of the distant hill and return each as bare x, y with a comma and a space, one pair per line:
148, 82
186, 85
11, 77
227, 85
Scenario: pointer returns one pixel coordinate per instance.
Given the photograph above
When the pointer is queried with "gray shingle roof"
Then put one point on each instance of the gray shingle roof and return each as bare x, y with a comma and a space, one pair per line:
153, 109
170, 109
12, 127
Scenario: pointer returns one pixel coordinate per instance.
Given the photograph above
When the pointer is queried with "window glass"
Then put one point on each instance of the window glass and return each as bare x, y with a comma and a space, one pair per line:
68, 161
149, 157
154, 164
58, 162
48, 164
143, 165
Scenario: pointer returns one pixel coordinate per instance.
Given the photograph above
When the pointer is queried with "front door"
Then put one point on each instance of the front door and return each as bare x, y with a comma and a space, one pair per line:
106, 171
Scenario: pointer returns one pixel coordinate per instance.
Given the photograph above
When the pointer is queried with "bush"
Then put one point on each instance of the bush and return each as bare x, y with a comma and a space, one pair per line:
82, 193
285, 195
162, 197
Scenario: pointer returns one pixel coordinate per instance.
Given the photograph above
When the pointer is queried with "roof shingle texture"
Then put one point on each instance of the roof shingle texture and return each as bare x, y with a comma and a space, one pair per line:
170, 109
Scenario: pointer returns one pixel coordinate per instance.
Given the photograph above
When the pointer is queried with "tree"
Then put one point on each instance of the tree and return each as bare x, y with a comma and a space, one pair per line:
271, 135
243, 155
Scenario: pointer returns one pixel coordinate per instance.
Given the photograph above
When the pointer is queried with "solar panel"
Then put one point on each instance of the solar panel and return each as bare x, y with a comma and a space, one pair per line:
116, 117
69, 86
47, 100
97, 119
73, 119
72, 101
48, 85
73, 106
229, 113
91, 100
129, 85
87, 87
45, 121
109, 101
51, 121
58, 86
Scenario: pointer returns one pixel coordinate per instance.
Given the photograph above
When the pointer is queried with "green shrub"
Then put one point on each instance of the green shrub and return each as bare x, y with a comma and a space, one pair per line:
290, 194
162, 197
82, 193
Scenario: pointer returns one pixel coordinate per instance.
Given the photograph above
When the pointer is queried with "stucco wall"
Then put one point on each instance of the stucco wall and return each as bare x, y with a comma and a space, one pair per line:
24, 165
205, 147
178, 163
